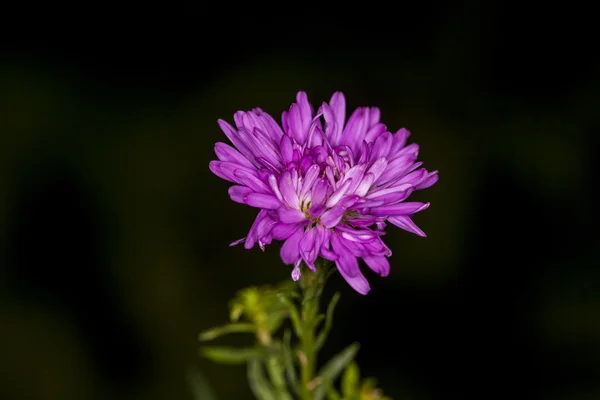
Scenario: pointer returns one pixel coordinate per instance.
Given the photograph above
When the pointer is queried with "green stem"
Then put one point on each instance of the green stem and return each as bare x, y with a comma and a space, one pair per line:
312, 284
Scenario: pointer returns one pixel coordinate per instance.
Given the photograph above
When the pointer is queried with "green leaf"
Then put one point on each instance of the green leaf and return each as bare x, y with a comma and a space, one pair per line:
230, 355
295, 317
226, 329
200, 388
350, 380
288, 361
236, 311
258, 382
332, 369
328, 321
276, 374
332, 393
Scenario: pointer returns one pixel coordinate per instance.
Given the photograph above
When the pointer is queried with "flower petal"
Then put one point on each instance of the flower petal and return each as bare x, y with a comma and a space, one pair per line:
347, 264
290, 215
290, 251
379, 264
262, 200
407, 208
406, 223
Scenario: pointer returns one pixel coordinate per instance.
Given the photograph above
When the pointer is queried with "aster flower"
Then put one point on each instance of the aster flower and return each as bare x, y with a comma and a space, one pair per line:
325, 186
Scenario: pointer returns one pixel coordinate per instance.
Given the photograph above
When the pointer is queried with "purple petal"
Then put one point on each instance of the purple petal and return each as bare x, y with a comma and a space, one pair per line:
309, 179
283, 231
227, 174
288, 190
374, 132
355, 173
365, 184
226, 170
334, 215
379, 264
432, 178
310, 245
395, 168
319, 191
338, 193
377, 168
227, 153
252, 234
262, 200
337, 103
363, 221
399, 209
399, 140
356, 127
287, 150
250, 180
316, 210
238, 193
290, 215
406, 223
233, 135
237, 242
296, 274
347, 264
332, 130
290, 252
326, 251
382, 146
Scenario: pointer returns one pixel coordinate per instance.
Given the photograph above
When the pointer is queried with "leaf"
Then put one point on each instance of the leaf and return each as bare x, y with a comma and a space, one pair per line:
332, 393
200, 388
332, 369
276, 375
295, 317
288, 361
350, 380
226, 329
328, 321
230, 355
258, 382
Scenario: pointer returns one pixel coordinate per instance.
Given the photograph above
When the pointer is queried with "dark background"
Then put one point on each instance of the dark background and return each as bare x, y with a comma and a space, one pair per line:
114, 233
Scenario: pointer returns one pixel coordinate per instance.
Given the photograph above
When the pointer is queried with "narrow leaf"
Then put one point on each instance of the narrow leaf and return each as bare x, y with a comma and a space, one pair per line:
200, 388
276, 375
230, 355
226, 329
296, 323
332, 393
288, 361
328, 322
350, 380
258, 382
332, 369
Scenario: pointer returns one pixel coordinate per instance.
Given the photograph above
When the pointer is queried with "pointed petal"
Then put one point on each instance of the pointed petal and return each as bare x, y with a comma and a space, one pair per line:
406, 223
407, 208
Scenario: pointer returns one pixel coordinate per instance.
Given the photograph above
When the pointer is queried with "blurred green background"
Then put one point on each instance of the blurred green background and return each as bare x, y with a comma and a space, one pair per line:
114, 234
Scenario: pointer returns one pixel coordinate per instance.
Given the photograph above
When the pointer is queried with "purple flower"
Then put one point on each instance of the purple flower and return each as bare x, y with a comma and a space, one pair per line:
325, 186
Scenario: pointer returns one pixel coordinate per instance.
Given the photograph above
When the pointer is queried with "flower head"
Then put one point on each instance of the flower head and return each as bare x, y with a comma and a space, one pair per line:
325, 186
